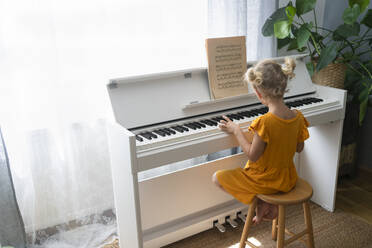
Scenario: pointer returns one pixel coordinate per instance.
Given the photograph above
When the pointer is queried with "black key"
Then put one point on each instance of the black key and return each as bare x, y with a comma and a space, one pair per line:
245, 113
146, 135
178, 129
152, 135
200, 124
197, 124
307, 101
166, 131
254, 112
248, 113
289, 104
139, 138
231, 117
218, 118
209, 122
184, 128
161, 133
170, 130
240, 116
259, 111
190, 125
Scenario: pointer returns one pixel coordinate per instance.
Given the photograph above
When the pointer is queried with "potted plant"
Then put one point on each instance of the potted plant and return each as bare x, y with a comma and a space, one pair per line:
332, 53
327, 48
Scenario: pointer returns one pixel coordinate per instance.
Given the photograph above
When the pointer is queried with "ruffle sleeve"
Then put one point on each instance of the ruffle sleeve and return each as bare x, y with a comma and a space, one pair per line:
303, 132
258, 126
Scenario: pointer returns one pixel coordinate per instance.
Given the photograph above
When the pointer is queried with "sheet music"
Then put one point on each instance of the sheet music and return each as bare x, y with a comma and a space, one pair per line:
226, 66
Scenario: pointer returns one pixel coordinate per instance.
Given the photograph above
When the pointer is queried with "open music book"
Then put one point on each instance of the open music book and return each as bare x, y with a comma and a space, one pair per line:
227, 63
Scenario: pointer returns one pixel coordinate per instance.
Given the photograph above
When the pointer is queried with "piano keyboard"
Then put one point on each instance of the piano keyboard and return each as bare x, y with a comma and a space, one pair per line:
188, 130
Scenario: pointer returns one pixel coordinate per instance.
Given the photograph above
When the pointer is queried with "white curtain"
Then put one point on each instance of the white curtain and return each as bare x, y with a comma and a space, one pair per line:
55, 60
243, 17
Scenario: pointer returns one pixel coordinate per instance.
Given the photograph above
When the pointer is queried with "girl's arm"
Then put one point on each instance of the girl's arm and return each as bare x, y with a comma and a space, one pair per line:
300, 147
253, 150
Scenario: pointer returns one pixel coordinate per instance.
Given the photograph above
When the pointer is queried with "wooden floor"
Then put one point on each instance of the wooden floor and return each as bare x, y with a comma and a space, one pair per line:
354, 194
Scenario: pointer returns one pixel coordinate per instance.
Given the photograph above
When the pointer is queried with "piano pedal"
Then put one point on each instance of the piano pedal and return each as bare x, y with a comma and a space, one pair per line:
241, 216
232, 222
219, 226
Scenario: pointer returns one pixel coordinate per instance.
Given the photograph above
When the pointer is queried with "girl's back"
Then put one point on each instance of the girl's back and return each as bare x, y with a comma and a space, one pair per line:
281, 137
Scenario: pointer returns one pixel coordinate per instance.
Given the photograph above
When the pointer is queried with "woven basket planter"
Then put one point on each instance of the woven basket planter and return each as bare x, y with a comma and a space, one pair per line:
333, 75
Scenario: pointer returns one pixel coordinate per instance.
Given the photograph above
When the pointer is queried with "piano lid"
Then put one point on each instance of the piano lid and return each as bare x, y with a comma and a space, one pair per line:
155, 98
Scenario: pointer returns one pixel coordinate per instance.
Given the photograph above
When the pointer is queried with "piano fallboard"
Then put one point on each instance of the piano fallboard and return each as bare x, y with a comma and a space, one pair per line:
152, 99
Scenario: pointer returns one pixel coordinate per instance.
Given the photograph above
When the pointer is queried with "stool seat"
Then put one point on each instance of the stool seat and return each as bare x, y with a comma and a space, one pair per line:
300, 193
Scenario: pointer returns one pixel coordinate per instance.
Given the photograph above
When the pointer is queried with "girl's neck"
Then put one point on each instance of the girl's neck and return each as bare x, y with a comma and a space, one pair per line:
277, 106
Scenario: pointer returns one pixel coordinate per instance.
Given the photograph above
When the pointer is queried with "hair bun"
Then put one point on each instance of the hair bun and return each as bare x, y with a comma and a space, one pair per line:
254, 76
289, 66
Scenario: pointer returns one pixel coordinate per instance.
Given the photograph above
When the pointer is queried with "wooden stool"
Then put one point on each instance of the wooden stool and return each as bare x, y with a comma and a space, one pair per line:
301, 193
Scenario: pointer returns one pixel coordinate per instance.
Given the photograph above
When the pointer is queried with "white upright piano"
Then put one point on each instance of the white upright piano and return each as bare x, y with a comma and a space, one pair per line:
169, 117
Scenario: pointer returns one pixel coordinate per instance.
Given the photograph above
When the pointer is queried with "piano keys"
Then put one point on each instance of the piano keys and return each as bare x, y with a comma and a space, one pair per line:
169, 117
209, 123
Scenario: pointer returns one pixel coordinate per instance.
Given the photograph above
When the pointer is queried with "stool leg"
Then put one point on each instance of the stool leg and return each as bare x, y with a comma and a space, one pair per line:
309, 225
248, 223
274, 229
281, 227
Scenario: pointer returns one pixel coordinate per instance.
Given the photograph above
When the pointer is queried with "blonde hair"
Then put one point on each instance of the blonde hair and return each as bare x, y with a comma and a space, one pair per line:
270, 77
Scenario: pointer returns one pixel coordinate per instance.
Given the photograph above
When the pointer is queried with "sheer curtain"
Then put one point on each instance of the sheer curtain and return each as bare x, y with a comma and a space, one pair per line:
55, 60
243, 17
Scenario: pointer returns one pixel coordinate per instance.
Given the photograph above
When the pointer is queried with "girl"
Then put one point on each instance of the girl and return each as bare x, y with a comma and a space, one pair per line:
278, 134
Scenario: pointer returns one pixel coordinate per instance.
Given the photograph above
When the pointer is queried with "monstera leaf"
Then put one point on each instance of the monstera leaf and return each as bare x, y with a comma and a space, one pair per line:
351, 14
304, 6
303, 34
345, 30
278, 15
363, 4
327, 55
367, 19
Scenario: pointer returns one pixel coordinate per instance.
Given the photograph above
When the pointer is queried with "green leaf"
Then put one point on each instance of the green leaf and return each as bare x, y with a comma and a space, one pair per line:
317, 36
291, 12
345, 30
363, 4
304, 6
283, 42
327, 55
303, 35
292, 45
363, 95
349, 56
268, 27
362, 110
282, 29
367, 19
351, 14
310, 68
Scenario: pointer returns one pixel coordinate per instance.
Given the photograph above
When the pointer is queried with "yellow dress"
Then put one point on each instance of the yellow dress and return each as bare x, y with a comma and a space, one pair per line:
274, 171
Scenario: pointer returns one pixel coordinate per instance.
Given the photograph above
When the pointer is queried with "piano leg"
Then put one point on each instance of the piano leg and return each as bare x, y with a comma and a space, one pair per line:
318, 163
125, 182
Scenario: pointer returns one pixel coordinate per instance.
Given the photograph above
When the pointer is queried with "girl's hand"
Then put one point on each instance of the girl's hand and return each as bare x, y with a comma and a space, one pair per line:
228, 125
